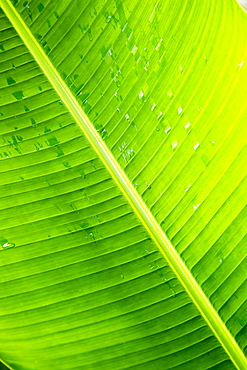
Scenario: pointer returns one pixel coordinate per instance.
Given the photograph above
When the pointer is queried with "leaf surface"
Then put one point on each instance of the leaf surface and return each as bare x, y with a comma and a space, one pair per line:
123, 185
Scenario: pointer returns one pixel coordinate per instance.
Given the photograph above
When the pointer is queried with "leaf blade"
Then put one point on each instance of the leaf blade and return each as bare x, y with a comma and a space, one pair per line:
139, 205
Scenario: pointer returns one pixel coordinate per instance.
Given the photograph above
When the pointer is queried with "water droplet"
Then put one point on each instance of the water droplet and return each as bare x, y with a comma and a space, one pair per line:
104, 134
141, 94
181, 69
153, 106
134, 49
189, 186
160, 116
66, 164
158, 45
180, 110
168, 129
174, 144
125, 25
196, 206
108, 18
188, 124
127, 116
118, 110
8, 245
196, 145
170, 94
126, 153
240, 65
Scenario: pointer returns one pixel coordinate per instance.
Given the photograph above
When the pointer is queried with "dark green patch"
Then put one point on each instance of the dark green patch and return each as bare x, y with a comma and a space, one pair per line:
26, 109
2, 47
25, 4
47, 49
56, 15
38, 146
18, 95
83, 28
40, 7
53, 141
38, 37
18, 150
64, 75
14, 140
87, 108
19, 138
10, 81
33, 122
30, 14
103, 51
59, 151
98, 127
89, 33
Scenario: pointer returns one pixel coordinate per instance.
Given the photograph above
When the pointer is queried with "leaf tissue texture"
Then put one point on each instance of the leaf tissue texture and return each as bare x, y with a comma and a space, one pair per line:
123, 185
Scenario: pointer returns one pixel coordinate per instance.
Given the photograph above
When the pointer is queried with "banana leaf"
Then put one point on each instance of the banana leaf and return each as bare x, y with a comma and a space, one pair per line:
123, 184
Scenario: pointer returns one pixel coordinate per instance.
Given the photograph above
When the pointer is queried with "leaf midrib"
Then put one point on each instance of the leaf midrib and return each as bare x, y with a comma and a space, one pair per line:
134, 199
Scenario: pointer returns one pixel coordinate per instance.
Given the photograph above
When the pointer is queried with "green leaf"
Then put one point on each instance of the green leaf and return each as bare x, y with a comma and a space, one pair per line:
122, 158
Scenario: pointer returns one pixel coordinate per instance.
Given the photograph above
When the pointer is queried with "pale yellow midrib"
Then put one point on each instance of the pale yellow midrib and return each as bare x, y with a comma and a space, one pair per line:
166, 248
